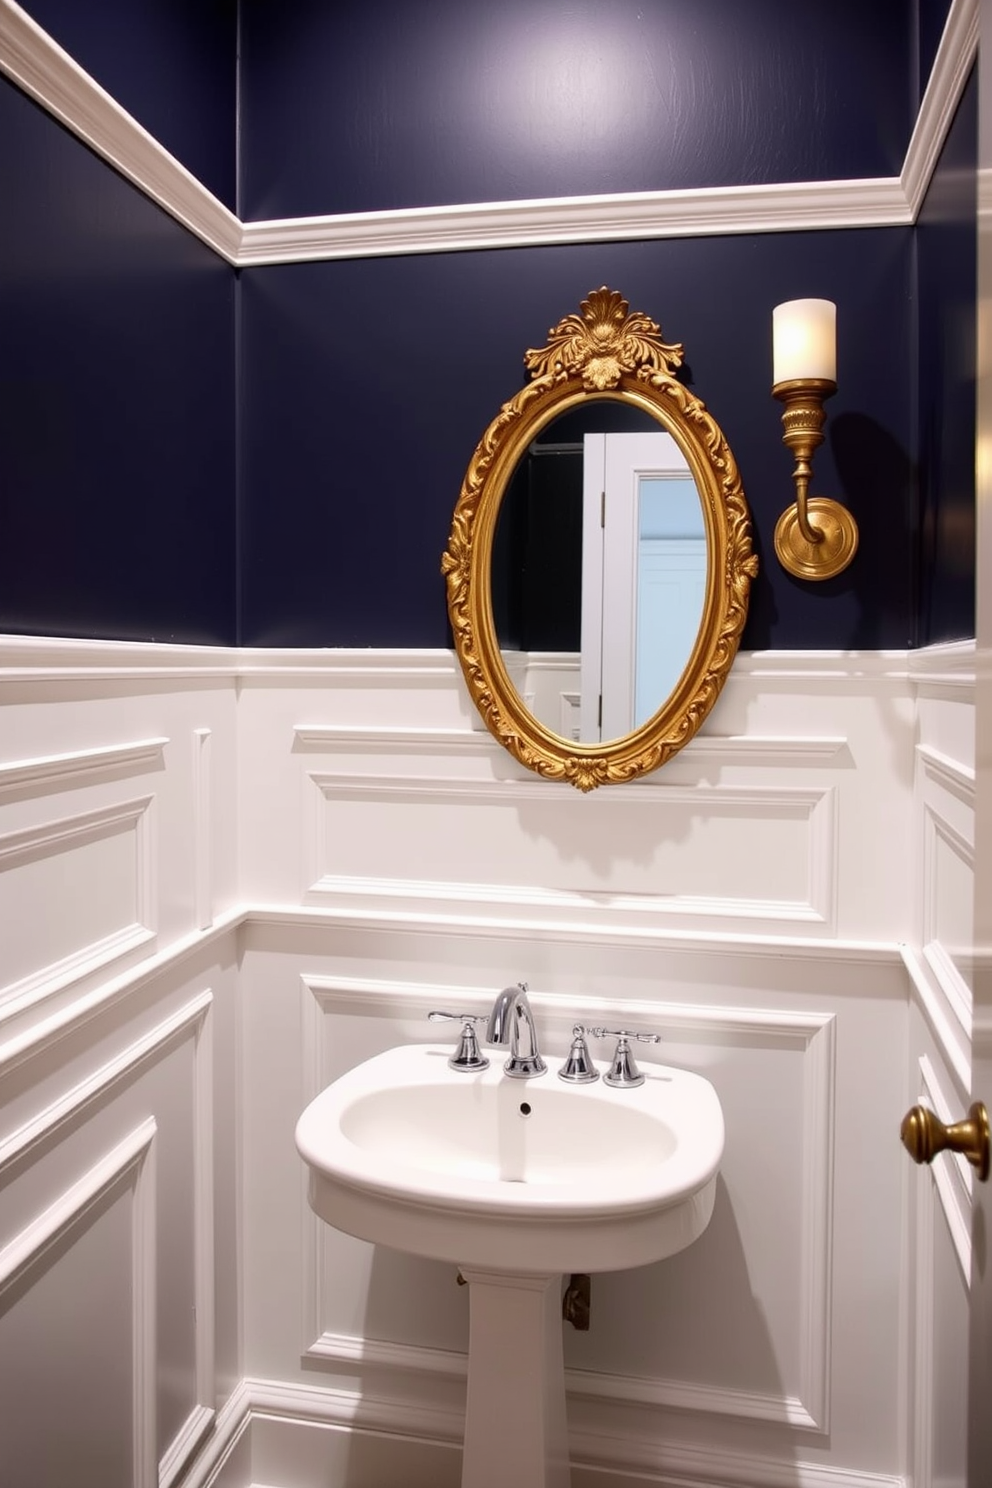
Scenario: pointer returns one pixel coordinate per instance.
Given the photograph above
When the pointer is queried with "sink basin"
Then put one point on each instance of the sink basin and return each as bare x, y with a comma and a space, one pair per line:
517, 1176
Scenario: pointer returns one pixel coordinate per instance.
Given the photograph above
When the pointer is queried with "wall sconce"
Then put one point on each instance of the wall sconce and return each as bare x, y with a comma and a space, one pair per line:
816, 538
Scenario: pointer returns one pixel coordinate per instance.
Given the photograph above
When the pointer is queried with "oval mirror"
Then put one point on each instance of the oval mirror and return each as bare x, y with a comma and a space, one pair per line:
600, 561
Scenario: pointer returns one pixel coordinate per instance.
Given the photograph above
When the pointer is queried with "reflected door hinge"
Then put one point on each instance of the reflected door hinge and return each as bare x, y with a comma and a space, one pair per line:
600, 720
602, 509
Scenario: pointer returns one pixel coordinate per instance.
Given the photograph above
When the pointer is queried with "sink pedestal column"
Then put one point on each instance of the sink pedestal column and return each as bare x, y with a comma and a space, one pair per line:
515, 1428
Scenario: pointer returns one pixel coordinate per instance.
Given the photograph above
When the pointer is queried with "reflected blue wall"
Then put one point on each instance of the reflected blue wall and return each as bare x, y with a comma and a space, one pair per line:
116, 402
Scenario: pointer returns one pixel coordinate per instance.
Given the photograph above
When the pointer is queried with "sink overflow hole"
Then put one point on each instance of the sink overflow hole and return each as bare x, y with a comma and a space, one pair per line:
525, 1108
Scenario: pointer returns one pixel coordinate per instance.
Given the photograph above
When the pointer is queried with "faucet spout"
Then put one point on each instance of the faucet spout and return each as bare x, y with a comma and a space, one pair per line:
511, 1022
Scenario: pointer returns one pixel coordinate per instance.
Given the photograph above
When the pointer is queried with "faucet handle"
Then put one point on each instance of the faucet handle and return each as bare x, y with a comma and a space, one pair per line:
623, 1072
467, 1056
578, 1068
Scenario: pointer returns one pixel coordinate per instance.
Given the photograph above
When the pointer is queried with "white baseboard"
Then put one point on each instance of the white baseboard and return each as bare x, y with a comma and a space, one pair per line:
416, 1440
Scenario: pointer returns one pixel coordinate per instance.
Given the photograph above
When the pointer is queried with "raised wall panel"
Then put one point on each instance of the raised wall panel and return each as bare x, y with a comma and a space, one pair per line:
686, 852
169, 1068
75, 894
81, 1276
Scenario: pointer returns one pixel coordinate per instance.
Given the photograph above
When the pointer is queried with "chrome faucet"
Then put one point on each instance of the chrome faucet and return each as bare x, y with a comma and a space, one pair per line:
512, 1023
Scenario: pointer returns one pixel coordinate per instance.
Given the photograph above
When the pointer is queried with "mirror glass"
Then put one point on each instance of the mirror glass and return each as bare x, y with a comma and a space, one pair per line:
598, 571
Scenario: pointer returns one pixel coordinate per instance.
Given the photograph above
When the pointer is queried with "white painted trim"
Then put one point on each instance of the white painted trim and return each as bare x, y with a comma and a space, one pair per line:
204, 1271
778, 750
955, 1050
231, 1424
326, 996
653, 1461
921, 1426
46, 1031
72, 1108
949, 773
814, 806
63, 834
202, 814
46, 660
34, 1040
74, 1105
33, 60
183, 1445
955, 56
956, 992
77, 767
701, 212
951, 1174
128, 1165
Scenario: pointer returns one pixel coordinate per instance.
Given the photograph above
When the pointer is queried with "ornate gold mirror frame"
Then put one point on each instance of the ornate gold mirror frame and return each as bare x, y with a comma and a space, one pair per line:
605, 352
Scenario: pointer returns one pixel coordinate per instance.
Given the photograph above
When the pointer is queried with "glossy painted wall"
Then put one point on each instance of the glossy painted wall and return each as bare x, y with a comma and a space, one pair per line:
363, 386
171, 63
116, 403
366, 386
946, 270
387, 104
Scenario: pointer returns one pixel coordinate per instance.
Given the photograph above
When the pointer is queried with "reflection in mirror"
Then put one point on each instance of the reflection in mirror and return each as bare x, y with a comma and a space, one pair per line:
598, 571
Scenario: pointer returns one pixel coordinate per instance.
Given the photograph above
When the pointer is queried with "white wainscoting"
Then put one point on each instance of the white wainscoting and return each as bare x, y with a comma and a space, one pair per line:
311, 850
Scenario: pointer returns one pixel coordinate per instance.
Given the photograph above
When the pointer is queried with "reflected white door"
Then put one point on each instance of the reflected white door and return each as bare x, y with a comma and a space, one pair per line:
643, 577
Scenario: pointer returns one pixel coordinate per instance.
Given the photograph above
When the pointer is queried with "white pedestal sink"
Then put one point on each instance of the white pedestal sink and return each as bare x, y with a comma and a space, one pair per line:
516, 1182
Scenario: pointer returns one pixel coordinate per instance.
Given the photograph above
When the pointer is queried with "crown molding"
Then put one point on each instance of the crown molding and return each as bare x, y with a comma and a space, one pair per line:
705, 212
35, 62
952, 65
38, 65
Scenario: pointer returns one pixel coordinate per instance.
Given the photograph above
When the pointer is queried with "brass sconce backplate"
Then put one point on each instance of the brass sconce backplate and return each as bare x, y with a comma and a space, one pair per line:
815, 538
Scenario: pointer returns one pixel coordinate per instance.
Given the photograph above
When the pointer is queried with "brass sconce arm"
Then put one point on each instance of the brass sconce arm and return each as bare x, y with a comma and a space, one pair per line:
816, 538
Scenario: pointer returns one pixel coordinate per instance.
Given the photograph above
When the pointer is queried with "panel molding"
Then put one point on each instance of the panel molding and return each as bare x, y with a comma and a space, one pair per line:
776, 750
202, 817
946, 1184
35, 62
128, 1165
813, 1033
951, 1175
79, 766
192, 1020
815, 807
65, 834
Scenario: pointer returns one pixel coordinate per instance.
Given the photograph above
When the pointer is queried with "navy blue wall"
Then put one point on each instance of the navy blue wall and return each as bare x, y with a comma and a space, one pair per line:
385, 104
171, 63
946, 247
116, 402
364, 385
367, 385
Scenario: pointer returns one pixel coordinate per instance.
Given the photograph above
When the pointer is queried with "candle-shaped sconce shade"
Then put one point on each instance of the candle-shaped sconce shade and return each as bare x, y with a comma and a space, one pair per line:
804, 334
816, 538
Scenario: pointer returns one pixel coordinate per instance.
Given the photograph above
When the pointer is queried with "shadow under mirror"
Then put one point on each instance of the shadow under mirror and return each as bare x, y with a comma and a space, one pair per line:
598, 571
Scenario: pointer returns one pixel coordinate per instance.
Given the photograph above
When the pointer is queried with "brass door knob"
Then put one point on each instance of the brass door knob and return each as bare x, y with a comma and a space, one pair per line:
924, 1135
